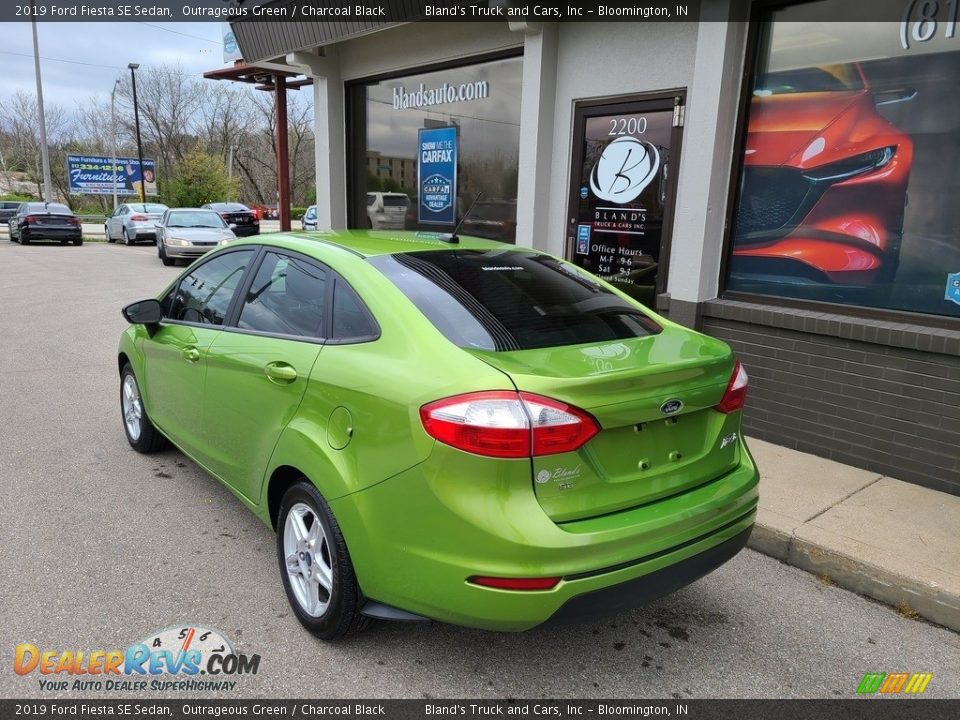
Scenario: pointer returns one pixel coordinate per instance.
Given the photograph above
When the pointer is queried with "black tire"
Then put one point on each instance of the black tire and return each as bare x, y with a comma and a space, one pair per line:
342, 616
126, 237
163, 255
23, 238
149, 439
78, 241
106, 232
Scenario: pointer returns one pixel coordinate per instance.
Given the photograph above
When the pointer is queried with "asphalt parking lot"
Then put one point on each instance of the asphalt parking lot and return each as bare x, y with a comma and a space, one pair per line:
103, 547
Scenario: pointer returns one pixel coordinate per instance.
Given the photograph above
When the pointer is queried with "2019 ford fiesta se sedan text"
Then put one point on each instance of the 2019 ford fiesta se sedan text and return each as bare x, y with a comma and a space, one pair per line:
445, 428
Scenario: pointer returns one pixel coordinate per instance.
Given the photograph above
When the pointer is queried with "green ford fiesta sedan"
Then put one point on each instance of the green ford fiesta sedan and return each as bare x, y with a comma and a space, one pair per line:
445, 428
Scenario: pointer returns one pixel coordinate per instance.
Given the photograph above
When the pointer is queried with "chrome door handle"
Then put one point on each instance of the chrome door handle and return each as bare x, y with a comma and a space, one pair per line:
190, 354
280, 372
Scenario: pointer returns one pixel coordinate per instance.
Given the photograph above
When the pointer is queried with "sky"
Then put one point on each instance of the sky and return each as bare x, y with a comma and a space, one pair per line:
105, 49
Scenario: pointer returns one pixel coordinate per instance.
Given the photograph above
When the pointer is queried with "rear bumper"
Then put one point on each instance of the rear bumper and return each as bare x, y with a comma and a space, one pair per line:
473, 517
246, 231
647, 588
52, 233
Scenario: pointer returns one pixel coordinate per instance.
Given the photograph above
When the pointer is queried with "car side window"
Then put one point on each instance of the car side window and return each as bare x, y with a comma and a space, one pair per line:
351, 319
287, 297
203, 296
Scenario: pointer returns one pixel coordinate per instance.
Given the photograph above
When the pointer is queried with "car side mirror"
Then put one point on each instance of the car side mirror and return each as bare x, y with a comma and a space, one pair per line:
144, 312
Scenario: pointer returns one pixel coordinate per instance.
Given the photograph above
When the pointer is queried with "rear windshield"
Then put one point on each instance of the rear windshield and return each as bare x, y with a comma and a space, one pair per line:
229, 207
9, 205
148, 207
49, 207
511, 299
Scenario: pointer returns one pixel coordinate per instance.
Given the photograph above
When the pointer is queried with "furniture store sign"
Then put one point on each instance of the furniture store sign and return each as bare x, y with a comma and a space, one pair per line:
100, 175
437, 175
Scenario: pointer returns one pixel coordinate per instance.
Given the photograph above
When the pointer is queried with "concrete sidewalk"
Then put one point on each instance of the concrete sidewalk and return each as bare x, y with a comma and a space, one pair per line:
890, 540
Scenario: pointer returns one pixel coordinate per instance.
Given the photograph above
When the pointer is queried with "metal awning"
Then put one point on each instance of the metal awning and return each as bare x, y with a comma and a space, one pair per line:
261, 40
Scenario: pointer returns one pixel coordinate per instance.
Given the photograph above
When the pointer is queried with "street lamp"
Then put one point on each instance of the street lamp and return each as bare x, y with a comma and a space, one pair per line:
136, 120
44, 150
113, 135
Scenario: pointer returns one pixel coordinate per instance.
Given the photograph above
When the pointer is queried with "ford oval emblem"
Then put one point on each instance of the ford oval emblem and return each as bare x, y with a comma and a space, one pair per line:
671, 407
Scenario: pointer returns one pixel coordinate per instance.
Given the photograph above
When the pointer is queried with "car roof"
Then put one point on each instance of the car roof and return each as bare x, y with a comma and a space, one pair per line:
370, 243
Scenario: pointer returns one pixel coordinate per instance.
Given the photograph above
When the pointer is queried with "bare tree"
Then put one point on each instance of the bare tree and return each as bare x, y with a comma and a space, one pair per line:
21, 137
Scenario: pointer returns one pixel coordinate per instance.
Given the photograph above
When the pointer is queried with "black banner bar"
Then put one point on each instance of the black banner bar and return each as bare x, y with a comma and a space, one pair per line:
300, 11
887, 708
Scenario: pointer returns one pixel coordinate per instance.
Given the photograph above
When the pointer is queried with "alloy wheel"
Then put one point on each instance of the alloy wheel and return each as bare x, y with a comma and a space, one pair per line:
132, 407
308, 559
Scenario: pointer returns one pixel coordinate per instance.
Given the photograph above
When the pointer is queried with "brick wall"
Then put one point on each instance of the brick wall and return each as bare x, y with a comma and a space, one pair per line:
877, 395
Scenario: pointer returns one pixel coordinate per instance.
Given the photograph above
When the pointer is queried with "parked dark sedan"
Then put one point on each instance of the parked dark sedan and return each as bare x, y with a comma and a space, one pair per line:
45, 221
8, 208
241, 219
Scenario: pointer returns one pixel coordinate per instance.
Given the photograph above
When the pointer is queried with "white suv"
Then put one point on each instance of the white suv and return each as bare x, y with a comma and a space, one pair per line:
387, 210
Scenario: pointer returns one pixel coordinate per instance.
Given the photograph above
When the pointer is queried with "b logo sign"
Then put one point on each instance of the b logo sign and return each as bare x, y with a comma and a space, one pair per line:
625, 168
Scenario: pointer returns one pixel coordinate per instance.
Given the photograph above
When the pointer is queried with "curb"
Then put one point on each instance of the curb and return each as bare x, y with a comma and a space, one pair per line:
860, 576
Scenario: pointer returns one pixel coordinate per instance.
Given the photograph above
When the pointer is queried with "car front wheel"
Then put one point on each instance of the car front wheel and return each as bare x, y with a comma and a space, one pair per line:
315, 565
162, 252
141, 434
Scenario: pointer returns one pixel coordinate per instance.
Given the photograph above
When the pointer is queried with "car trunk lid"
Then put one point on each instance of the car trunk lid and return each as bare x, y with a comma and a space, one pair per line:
653, 398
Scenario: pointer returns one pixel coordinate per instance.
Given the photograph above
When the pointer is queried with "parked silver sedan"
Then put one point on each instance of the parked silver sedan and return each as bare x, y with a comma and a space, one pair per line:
133, 222
188, 233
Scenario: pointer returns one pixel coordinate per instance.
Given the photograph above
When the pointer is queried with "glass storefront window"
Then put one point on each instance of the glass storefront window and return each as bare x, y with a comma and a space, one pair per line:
424, 145
848, 186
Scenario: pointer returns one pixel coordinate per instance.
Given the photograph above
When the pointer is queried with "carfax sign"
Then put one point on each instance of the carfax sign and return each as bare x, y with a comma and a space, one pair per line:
94, 175
437, 175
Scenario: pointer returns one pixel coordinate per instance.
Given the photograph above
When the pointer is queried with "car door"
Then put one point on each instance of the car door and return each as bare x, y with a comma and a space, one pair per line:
162, 227
14, 223
116, 222
257, 370
175, 358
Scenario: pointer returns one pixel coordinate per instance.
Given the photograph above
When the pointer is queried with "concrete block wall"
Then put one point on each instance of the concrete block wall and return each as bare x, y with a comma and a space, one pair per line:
877, 395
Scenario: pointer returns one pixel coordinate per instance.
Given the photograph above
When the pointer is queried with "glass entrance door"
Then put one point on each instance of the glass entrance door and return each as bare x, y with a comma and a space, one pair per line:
622, 190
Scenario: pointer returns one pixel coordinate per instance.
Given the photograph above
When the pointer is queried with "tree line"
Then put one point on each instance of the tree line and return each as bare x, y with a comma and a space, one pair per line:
187, 124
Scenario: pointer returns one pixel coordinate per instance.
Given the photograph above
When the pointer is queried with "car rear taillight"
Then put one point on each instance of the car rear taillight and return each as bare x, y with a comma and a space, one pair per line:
74, 221
139, 218
506, 424
736, 393
30, 219
541, 583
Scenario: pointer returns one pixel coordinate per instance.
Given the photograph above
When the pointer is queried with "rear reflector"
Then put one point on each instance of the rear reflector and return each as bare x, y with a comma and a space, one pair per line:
736, 393
545, 583
507, 424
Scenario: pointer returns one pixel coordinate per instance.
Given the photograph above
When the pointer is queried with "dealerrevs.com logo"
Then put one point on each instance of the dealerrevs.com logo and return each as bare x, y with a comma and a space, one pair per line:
185, 658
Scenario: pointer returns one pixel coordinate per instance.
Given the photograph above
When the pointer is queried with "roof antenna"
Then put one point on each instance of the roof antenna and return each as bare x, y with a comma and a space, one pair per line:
453, 237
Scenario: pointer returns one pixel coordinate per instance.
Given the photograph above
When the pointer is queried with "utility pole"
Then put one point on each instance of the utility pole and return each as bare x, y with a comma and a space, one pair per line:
44, 150
136, 120
113, 134
230, 166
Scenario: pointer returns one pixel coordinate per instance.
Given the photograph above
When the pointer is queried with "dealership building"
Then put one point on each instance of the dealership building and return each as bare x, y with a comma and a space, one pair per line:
771, 174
